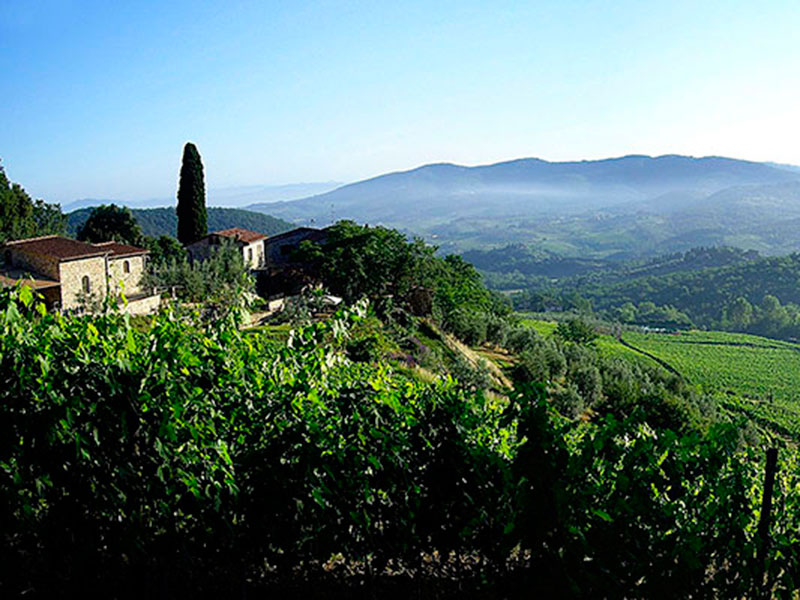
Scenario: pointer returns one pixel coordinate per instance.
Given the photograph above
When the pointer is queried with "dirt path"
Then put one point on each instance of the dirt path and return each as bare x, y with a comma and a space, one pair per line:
498, 377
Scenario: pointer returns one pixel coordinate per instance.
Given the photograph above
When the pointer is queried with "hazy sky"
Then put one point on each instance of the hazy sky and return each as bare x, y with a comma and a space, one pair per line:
98, 98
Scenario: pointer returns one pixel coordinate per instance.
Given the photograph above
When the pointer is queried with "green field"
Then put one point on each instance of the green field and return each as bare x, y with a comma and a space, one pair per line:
611, 347
543, 328
755, 376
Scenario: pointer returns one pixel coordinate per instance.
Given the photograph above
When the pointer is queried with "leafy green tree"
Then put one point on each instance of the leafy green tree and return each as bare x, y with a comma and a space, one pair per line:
740, 313
21, 217
574, 301
164, 249
191, 210
359, 261
576, 330
111, 222
458, 284
48, 218
625, 313
382, 264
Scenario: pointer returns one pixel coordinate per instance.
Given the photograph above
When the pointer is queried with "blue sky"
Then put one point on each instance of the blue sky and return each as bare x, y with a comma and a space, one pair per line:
98, 98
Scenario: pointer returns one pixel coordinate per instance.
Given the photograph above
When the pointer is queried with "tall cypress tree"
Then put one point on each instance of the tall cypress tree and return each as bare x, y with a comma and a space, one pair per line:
191, 210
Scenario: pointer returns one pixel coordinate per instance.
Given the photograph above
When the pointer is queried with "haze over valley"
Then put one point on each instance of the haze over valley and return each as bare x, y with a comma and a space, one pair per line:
614, 208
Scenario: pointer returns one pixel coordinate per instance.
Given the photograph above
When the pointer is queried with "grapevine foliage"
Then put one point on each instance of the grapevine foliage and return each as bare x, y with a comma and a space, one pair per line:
187, 458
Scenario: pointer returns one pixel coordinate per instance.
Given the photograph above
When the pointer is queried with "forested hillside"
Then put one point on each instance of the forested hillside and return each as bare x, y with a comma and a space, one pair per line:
163, 221
519, 265
760, 296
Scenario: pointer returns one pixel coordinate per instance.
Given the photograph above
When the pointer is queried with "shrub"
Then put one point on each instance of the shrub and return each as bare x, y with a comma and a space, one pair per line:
222, 278
522, 338
576, 330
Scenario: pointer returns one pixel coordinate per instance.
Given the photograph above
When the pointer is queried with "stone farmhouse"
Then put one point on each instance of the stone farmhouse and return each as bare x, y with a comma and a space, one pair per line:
250, 243
282, 276
269, 258
278, 248
69, 273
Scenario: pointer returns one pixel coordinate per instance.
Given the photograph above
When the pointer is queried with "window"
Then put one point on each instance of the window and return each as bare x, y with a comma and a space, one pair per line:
249, 255
126, 267
7, 257
86, 284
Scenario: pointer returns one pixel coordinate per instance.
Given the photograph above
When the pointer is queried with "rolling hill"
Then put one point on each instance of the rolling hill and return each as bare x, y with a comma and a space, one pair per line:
163, 221
614, 208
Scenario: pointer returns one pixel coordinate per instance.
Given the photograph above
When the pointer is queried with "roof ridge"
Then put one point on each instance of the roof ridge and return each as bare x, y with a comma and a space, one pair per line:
41, 237
58, 246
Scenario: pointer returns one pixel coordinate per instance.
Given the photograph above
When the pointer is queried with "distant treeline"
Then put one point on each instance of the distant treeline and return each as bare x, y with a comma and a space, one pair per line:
759, 296
156, 222
518, 266
21, 216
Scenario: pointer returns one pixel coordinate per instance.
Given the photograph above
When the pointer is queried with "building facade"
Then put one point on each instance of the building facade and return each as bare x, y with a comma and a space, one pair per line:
278, 249
75, 275
250, 243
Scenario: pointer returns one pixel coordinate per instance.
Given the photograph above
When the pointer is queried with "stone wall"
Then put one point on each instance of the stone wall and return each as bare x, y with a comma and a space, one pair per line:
252, 254
71, 276
121, 282
43, 265
142, 306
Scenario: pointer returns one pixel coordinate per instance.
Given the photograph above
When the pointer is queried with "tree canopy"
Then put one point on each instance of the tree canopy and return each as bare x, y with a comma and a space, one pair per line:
22, 217
191, 210
376, 262
111, 222
164, 248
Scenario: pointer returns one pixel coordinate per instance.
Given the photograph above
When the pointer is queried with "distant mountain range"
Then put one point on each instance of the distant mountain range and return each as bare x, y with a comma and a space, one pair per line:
163, 221
618, 208
230, 197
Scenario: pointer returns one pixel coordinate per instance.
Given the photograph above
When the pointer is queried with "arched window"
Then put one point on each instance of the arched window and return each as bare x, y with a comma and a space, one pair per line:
86, 284
126, 267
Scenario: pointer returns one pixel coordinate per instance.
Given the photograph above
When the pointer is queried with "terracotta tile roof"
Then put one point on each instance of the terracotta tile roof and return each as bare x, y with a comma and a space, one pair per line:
117, 249
57, 247
10, 278
240, 234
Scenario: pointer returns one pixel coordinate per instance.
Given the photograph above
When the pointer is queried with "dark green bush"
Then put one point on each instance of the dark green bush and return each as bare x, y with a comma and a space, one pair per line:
522, 338
576, 330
